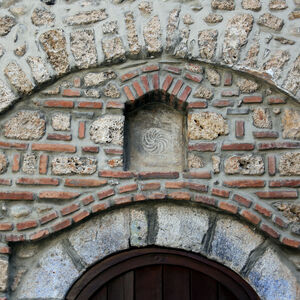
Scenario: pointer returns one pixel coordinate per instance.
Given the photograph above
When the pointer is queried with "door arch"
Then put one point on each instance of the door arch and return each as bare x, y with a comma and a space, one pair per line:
160, 274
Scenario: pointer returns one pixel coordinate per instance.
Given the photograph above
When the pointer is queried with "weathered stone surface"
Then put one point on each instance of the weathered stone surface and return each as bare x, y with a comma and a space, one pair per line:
146, 7
101, 237
276, 63
252, 55
63, 165
213, 18
245, 165
25, 125
92, 93
3, 274
53, 277
54, 44
195, 161
181, 227
113, 49
152, 36
270, 21
203, 92
20, 211
83, 48
29, 163
207, 41
172, 33
277, 4
87, 17
132, 36
138, 228
188, 19
236, 36
6, 24
61, 121
254, 5
272, 279
42, 16
18, 78
108, 130
291, 124
26, 250
38, 69
261, 118
223, 4
112, 91
290, 210
6, 96
206, 125
216, 161
213, 76
94, 79
18, 277
292, 82
289, 164
181, 50
3, 163
21, 50
110, 27
247, 85
233, 242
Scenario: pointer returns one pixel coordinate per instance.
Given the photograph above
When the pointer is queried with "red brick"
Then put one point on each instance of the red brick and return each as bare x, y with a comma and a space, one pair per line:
195, 78
197, 175
116, 174
81, 130
69, 209
87, 200
167, 83
71, 93
228, 79
291, 242
158, 175
280, 222
277, 195
5, 250
180, 196
220, 193
276, 146
104, 194
137, 87
139, 197
239, 129
59, 103
246, 183
16, 196
90, 104
129, 76
26, 225
85, 182
6, 226
16, 163
113, 151
155, 81
172, 69
228, 207
272, 165
205, 200
185, 94
77, 82
49, 217
128, 93
58, 195
262, 210
230, 93
145, 82
238, 147
114, 104
39, 235
80, 216
123, 200
203, 147
196, 187
18, 146
270, 231
156, 196
265, 134
15, 238
61, 225
5, 181
222, 103
150, 186
90, 149
53, 148
59, 137
252, 99
128, 188
252, 218
150, 68
177, 87
43, 164
37, 181
99, 207
285, 183
276, 100
175, 185
242, 200
198, 104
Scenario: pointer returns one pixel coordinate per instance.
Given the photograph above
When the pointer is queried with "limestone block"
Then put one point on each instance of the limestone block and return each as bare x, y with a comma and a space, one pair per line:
138, 228
203, 92
20, 211
132, 36
207, 41
29, 163
292, 83
61, 121
38, 69
206, 125
216, 161
94, 79
261, 118
213, 18
291, 124
3, 274
62, 165
233, 242
195, 161
247, 86
277, 4
87, 17
42, 16
213, 76
112, 91
172, 33
108, 130
245, 165
223, 4
6, 96
6, 24
113, 49
3, 163
291, 211
188, 19
25, 125
110, 27
270, 21
289, 164
254, 5
146, 7
181, 50
252, 55
276, 63
152, 36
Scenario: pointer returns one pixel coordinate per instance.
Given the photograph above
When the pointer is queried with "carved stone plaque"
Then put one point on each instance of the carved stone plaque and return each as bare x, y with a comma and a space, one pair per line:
155, 139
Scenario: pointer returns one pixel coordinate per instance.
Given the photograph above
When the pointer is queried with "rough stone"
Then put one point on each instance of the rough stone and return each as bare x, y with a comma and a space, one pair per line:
42, 16
138, 228
3, 274
289, 164
181, 50
261, 118
247, 85
284, 41
132, 36
115, 162
272, 279
6, 24
87, 17
213, 18
277, 4
252, 55
21, 50
146, 7
245, 165
38, 68
216, 161
63, 165
113, 49
276, 63
18, 10
291, 211
152, 36
61, 121
233, 242
292, 82
291, 124
188, 19
194, 67
94, 79
25, 125
172, 33
6, 96
20, 211
270, 21
254, 5
195, 161
207, 41
54, 44
18, 78
223, 4
108, 130
3, 163
29, 163
203, 92
92, 93
206, 125
236, 36
213, 76
112, 91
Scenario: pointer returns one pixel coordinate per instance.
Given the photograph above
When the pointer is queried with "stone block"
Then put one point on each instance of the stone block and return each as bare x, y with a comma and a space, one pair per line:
247, 86
95, 79
87, 17
291, 124
254, 5
3, 163
207, 41
245, 165
61, 121
3, 274
270, 21
203, 92
138, 228
261, 118
42, 16
6, 24
38, 69
152, 36
289, 164
29, 163
113, 49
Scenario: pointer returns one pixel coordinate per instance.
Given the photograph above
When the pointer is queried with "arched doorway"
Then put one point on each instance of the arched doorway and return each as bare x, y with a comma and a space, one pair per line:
160, 274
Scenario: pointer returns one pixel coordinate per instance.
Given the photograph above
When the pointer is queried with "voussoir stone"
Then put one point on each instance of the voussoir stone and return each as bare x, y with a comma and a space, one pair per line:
261, 118
6, 24
42, 16
132, 36
138, 228
291, 124
38, 69
292, 82
245, 165
207, 41
6, 96
113, 49
172, 32
152, 36
270, 21
3, 163
276, 63
206, 125
289, 164
94, 79
108, 129
87, 17
3, 274
25, 125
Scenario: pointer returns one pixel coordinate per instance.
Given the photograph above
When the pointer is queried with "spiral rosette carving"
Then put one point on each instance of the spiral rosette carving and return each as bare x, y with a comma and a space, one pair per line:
154, 141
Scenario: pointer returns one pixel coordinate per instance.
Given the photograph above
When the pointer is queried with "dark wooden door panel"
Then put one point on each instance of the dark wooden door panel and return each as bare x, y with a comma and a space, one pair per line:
100, 295
203, 287
225, 294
